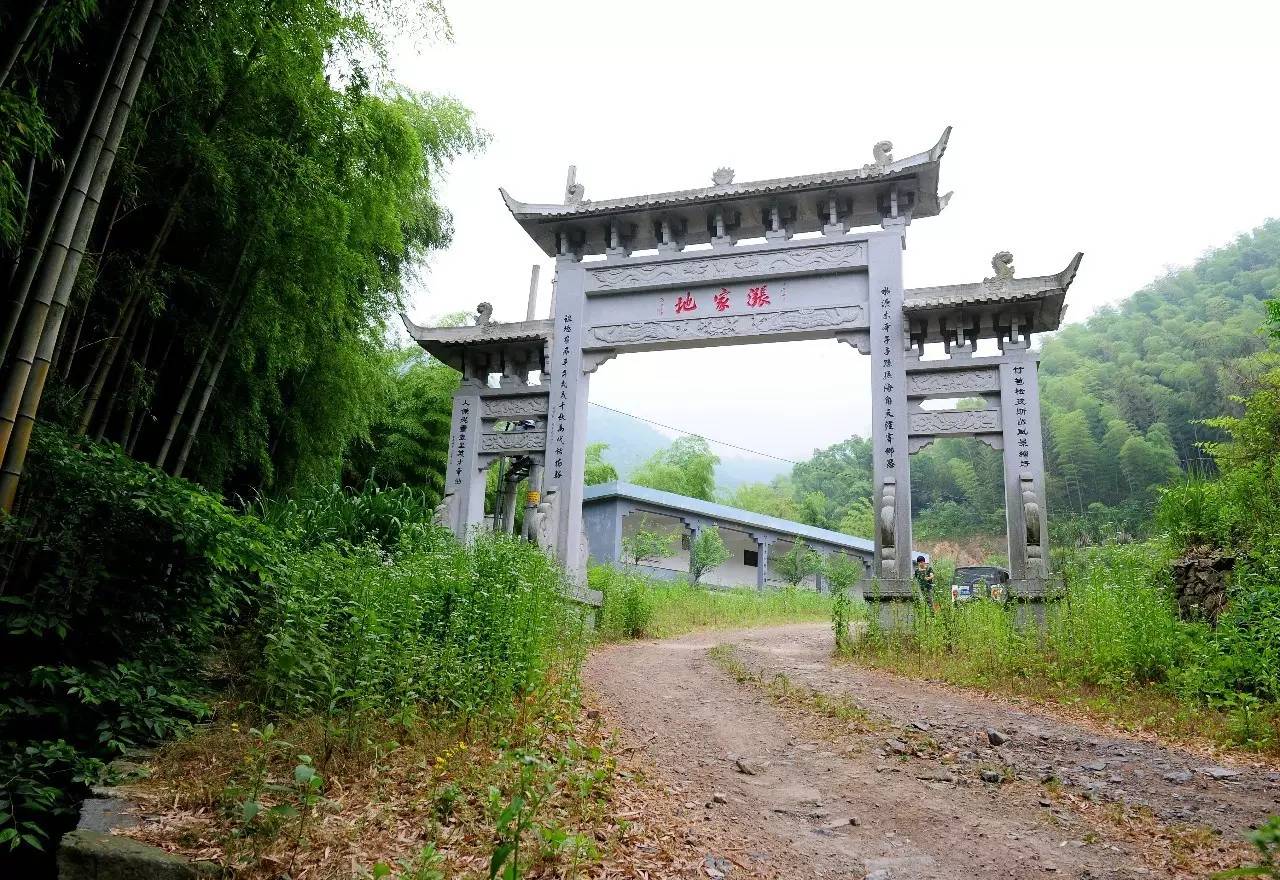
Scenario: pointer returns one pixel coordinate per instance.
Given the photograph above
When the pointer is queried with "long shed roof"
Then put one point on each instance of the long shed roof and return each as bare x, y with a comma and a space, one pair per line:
723, 513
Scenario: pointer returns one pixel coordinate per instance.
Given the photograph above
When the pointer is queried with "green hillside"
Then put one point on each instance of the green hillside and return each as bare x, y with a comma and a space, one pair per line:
1124, 391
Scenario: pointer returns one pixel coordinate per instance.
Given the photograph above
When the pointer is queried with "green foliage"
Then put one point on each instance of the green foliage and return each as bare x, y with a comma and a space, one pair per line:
1267, 841
408, 443
628, 602
686, 467
842, 573
333, 515
645, 545
798, 563
771, 499
463, 628
123, 583
1124, 393
597, 469
119, 583
706, 552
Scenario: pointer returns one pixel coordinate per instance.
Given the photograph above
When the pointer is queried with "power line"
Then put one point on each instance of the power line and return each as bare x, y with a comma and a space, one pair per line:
691, 434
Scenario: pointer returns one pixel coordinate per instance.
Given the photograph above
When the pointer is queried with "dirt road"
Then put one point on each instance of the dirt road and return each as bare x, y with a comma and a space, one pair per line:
901, 794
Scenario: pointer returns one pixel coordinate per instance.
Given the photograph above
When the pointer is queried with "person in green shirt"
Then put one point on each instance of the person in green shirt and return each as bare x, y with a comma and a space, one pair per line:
925, 578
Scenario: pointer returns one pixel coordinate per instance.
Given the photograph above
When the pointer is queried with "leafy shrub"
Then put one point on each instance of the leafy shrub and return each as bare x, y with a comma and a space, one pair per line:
628, 604
336, 515
117, 582
350, 633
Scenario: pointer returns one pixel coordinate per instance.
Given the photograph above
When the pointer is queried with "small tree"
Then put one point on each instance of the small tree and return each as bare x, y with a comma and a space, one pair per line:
798, 563
647, 546
842, 573
706, 552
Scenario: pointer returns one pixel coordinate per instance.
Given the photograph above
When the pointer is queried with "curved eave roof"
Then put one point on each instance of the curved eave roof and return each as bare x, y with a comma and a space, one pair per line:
446, 344
542, 221
1043, 296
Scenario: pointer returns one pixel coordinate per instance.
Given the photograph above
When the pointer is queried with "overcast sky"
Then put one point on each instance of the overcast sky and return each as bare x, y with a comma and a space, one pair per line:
1143, 134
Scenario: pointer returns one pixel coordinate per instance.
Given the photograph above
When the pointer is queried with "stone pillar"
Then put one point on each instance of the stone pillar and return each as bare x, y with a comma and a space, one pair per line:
762, 559
508, 525
531, 499
465, 479
1026, 512
567, 419
892, 459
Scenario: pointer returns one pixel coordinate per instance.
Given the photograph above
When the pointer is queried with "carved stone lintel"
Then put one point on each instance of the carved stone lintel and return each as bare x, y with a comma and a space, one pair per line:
514, 441
953, 382
755, 265
764, 324
955, 421
512, 408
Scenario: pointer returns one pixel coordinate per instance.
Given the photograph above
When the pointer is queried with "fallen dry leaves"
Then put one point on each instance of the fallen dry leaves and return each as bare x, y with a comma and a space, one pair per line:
382, 804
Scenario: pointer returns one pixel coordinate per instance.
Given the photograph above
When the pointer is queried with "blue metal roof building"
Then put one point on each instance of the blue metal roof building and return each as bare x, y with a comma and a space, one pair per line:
612, 511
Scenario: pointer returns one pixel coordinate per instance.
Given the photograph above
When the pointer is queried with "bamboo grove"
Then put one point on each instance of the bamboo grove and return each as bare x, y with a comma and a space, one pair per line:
206, 214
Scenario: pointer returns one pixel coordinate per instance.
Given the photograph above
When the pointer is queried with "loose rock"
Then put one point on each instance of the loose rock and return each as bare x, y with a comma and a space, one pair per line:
992, 776
746, 767
995, 737
1219, 772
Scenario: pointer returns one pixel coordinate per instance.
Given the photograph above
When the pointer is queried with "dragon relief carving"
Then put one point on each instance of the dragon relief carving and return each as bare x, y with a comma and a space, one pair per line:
953, 382
955, 421
729, 325
515, 407
731, 266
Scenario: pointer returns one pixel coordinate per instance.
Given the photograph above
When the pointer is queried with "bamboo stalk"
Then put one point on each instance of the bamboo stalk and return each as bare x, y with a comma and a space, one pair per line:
21, 42
209, 385
44, 318
30, 264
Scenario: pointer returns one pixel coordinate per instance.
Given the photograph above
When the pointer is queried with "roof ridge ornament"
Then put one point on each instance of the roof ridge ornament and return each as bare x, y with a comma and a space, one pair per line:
574, 192
484, 314
1002, 265
722, 176
883, 153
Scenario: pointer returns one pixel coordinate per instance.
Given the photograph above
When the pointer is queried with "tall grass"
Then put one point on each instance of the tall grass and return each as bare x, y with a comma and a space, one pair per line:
636, 606
352, 632
1113, 636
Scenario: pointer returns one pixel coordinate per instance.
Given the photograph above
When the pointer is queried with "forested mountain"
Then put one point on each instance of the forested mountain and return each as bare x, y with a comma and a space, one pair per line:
1125, 391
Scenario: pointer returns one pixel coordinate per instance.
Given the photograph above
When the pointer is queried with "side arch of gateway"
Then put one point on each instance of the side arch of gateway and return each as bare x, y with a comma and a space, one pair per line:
736, 263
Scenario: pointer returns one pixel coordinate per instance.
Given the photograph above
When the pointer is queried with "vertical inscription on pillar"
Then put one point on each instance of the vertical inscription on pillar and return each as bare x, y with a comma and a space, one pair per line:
460, 441
1020, 414
565, 340
890, 355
